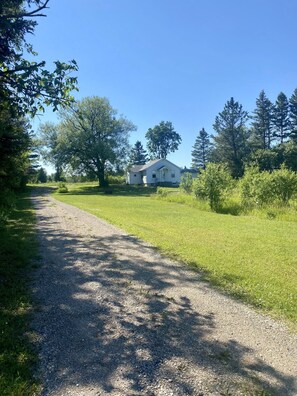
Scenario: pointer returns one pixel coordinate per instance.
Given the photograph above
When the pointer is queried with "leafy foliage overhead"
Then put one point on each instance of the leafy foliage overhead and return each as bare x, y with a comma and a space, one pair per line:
28, 84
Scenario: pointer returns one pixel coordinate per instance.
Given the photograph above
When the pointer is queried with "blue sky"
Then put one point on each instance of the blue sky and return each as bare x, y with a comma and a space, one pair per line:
173, 60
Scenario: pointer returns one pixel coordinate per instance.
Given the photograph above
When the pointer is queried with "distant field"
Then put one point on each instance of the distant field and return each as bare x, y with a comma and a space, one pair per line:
254, 259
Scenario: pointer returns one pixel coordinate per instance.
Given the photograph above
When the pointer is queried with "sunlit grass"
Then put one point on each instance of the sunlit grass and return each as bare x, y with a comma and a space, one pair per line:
249, 257
17, 248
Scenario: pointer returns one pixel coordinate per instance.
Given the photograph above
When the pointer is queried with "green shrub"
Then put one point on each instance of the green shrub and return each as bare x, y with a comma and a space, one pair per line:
162, 191
213, 184
264, 188
7, 203
256, 188
113, 179
186, 183
284, 184
62, 188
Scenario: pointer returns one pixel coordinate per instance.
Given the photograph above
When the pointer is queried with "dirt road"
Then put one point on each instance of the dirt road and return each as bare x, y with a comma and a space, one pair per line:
116, 318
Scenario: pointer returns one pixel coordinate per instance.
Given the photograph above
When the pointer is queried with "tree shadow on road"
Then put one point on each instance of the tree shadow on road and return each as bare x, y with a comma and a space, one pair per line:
107, 322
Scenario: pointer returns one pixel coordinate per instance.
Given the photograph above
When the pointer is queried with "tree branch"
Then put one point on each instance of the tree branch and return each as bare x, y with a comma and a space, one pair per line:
33, 13
21, 68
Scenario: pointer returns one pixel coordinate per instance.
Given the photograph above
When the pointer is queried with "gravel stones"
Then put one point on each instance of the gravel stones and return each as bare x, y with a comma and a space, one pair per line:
117, 318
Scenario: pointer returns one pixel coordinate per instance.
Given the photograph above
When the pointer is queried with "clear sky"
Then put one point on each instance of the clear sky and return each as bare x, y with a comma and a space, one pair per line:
173, 60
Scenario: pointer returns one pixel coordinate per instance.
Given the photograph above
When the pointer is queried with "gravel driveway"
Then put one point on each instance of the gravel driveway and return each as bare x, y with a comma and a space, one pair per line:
117, 318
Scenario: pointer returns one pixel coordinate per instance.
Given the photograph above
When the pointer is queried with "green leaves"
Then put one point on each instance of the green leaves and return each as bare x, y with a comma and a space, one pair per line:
162, 139
90, 138
263, 188
28, 84
212, 184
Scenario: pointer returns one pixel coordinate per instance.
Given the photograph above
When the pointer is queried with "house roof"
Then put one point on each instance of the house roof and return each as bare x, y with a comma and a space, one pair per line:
139, 168
136, 168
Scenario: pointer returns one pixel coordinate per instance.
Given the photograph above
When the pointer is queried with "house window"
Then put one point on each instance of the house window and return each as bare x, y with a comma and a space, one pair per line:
173, 175
135, 175
154, 175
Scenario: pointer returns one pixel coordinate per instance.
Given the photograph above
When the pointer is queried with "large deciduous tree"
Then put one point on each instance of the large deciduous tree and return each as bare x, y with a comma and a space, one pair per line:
49, 146
93, 137
162, 139
262, 123
201, 150
231, 139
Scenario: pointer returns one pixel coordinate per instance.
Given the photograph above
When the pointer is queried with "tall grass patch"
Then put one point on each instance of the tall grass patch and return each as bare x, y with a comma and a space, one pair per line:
17, 249
249, 257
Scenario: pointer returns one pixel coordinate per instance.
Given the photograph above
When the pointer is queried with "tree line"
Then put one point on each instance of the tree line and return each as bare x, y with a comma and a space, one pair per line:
269, 141
26, 88
91, 139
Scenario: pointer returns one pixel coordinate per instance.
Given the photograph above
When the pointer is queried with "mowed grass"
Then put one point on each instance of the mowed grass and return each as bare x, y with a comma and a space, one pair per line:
17, 249
254, 259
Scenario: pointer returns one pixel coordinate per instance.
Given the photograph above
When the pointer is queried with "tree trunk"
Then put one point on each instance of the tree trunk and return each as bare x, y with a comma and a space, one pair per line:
101, 178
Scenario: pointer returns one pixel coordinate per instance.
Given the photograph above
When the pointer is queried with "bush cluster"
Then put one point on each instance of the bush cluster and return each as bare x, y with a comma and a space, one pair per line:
261, 188
256, 188
186, 183
213, 185
162, 191
62, 188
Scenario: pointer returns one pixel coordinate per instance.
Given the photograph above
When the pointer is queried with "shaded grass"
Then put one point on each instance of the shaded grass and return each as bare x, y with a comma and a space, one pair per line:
249, 257
17, 248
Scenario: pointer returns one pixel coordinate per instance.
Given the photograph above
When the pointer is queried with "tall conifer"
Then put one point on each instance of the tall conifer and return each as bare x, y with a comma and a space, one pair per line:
138, 154
262, 122
293, 115
231, 141
281, 120
201, 150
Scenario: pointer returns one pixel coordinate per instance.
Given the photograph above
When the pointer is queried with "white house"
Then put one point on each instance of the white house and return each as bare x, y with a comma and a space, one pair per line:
155, 172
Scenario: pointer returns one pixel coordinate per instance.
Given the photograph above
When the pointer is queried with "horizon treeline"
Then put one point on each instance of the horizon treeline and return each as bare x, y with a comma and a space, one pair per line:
266, 137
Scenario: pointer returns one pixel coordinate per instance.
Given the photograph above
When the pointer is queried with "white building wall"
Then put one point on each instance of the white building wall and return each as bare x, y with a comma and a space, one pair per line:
134, 178
172, 174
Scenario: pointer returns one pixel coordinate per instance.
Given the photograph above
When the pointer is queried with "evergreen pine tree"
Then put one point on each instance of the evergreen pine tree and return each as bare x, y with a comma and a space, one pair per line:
293, 115
138, 154
231, 141
281, 120
262, 122
201, 150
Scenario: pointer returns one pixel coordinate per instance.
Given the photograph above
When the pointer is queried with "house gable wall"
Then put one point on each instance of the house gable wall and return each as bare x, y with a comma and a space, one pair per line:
163, 175
161, 171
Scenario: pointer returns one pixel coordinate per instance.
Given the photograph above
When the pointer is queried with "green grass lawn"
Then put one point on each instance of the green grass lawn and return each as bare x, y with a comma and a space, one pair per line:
252, 258
17, 248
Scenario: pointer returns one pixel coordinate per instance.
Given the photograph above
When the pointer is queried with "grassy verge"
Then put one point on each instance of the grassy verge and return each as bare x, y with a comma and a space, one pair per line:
249, 257
17, 248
